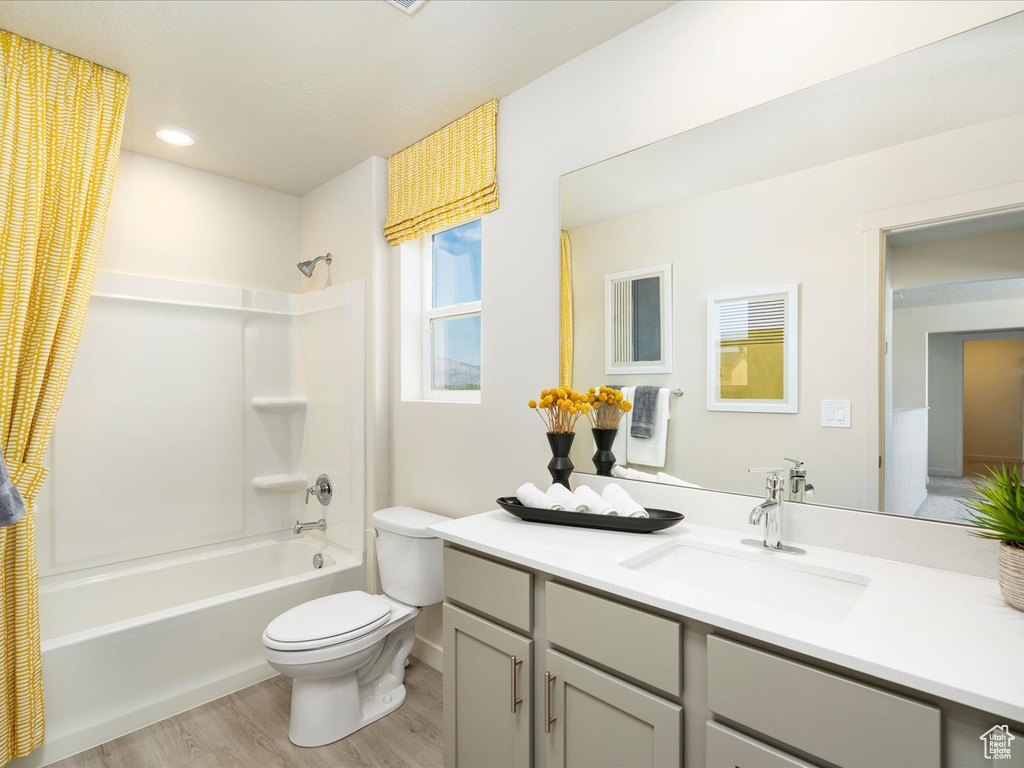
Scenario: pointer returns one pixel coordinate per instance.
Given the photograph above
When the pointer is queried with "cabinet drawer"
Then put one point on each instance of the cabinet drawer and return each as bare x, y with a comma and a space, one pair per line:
495, 590
641, 645
728, 749
839, 720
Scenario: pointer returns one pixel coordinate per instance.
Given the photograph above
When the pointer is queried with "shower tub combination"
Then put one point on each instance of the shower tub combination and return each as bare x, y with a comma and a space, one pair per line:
128, 645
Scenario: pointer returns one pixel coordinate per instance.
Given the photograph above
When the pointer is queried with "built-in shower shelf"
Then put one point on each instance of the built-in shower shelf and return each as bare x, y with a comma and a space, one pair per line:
279, 404
279, 483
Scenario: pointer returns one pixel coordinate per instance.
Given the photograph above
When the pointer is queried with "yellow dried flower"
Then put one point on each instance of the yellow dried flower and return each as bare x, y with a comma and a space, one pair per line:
626, 406
592, 390
603, 397
532, 403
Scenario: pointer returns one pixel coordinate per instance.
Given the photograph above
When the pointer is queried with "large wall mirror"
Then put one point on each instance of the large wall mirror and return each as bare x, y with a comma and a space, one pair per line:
887, 208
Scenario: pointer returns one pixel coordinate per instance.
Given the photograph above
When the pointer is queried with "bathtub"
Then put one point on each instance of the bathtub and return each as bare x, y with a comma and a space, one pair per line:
127, 646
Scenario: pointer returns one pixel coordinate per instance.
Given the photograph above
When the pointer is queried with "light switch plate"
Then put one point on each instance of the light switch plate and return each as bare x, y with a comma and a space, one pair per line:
836, 413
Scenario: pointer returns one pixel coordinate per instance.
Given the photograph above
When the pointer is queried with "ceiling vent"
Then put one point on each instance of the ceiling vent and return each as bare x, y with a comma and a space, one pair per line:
408, 7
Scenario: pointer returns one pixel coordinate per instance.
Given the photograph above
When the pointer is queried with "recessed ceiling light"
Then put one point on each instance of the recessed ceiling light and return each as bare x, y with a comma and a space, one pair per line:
172, 134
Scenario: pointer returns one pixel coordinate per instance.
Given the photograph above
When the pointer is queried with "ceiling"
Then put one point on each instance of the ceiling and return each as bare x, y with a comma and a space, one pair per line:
963, 80
290, 94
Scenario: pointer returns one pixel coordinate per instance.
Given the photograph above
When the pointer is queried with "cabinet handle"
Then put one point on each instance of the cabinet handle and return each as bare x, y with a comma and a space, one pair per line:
516, 698
548, 717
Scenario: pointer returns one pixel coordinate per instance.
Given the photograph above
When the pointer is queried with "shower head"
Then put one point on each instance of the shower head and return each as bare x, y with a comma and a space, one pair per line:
307, 267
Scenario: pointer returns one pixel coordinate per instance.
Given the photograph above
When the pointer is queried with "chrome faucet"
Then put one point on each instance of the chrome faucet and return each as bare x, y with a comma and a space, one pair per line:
317, 525
770, 512
797, 488
323, 491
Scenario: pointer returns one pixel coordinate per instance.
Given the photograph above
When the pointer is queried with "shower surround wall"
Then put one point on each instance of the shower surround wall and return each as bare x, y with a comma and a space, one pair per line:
159, 446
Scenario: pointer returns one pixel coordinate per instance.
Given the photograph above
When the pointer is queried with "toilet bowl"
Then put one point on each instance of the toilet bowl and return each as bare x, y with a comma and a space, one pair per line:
346, 653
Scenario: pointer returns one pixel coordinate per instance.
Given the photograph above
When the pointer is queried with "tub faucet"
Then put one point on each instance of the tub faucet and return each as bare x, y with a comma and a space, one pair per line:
770, 511
317, 525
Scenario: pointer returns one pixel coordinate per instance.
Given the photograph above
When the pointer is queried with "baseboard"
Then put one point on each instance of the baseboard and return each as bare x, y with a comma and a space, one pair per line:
942, 472
994, 459
429, 653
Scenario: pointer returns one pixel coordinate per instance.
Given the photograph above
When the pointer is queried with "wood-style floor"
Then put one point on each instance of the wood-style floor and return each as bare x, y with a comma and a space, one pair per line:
249, 729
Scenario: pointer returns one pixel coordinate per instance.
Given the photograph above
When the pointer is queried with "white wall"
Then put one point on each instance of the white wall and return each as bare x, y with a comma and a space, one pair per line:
976, 257
167, 220
345, 217
911, 329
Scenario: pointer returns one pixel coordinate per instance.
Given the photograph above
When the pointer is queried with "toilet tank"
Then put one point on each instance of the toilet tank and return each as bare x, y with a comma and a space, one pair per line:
409, 556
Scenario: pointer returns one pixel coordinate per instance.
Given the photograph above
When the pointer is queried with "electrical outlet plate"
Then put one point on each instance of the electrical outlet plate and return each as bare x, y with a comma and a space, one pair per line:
836, 413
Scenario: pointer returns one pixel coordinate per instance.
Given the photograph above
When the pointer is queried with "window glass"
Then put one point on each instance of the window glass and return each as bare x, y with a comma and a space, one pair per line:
456, 265
455, 353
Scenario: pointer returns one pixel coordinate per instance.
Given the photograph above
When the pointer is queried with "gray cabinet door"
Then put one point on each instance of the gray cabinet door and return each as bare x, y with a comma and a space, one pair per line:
728, 749
487, 693
593, 720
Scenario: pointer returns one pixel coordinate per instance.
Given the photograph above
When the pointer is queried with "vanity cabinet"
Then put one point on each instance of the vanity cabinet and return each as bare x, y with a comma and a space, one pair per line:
596, 720
487, 693
539, 671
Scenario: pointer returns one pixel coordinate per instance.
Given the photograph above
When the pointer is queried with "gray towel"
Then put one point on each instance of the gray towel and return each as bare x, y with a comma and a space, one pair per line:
12, 508
645, 409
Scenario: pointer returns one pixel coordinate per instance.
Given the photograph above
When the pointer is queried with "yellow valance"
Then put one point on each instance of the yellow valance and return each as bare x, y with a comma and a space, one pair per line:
448, 177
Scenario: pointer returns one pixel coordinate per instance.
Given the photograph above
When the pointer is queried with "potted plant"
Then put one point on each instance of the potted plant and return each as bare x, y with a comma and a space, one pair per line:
608, 408
997, 509
560, 408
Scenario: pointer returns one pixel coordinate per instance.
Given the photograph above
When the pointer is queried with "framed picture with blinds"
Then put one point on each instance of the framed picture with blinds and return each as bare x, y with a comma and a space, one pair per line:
753, 350
638, 320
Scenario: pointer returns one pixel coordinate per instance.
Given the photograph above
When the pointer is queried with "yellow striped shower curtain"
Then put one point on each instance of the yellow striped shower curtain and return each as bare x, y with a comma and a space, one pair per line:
60, 134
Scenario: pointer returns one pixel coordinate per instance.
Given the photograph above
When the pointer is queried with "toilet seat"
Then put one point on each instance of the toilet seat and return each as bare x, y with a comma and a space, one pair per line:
327, 621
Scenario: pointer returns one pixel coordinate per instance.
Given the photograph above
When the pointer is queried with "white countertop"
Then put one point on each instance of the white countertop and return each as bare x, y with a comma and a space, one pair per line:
943, 633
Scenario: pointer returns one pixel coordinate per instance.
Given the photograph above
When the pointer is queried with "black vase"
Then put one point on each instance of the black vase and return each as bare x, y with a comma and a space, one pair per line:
560, 465
604, 459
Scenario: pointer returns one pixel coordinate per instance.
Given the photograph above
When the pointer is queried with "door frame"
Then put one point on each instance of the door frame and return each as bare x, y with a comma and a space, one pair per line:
876, 226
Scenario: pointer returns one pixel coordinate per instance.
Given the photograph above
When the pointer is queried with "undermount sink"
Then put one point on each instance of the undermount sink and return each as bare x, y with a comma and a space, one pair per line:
770, 579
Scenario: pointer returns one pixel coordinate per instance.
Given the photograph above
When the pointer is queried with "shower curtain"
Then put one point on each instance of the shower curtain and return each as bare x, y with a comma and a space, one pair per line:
60, 134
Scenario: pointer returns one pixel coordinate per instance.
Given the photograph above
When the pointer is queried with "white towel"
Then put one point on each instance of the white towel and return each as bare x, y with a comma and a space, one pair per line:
628, 473
593, 500
650, 451
566, 498
532, 496
622, 501
625, 473
667, 479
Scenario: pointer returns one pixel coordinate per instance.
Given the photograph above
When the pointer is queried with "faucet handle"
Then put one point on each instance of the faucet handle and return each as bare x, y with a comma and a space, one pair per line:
798, 463
768, 470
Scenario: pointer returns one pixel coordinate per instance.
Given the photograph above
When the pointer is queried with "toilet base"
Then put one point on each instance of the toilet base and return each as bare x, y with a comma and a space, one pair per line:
318, 724
326, 709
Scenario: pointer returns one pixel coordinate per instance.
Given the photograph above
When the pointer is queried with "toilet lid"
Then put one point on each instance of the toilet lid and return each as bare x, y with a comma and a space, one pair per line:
327, 621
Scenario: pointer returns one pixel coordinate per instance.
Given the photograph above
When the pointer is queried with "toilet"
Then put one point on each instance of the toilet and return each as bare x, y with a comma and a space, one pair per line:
346, 653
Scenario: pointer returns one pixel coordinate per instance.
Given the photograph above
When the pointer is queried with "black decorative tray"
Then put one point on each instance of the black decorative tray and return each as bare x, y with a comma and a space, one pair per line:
659, 518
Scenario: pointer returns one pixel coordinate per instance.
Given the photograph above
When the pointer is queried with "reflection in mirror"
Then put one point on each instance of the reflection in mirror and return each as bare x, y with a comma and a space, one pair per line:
875, 193
638, 320
957, 363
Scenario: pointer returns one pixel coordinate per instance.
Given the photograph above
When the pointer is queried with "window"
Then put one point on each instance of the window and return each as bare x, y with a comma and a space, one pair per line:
445, 316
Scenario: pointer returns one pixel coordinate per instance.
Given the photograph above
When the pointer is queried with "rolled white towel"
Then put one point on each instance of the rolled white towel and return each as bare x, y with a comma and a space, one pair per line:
593, 500
566, 498
623, 502
628, 473
532, 496
667, 479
